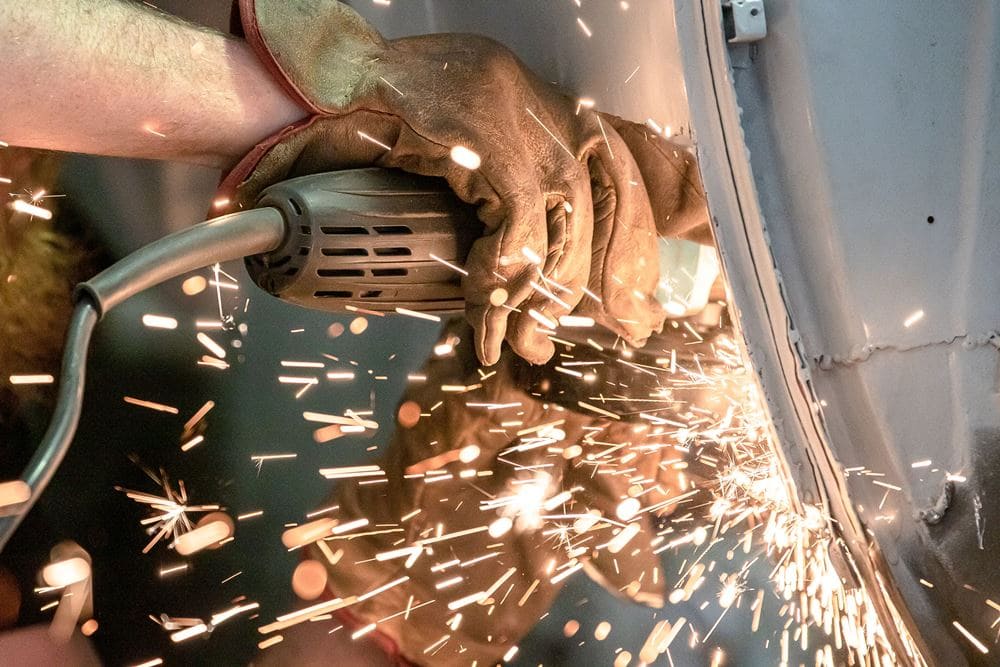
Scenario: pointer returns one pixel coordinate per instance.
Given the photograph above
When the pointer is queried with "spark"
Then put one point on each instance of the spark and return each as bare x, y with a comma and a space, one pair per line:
159, 322
576, 321
296, 379
593, 408
41, 378
213, 362
166, 571
368, 137
221, 617
337, 419
549, 295
14, 493
390, 85
542, 319
202, 537
188, 633
149, 128
308, 533
159, 407
913, 318
465, 157
212, 346
549, 132
261, 458
346, 472
583, 27
21, 206
418, 314
972, 639
198, 416
451, 266
194, 285
65, 573
531, 256
170, 518
576, 567
302, 364
349, 526
192, 443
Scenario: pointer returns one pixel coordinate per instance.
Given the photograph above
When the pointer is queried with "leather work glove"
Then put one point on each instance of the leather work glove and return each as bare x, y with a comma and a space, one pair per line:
561, 199
670, 172
489, 502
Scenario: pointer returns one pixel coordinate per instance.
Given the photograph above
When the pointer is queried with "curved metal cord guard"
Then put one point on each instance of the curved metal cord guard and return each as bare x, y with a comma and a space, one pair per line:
228, 237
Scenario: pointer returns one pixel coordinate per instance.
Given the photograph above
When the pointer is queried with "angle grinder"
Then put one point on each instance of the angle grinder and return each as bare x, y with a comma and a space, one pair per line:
377, 239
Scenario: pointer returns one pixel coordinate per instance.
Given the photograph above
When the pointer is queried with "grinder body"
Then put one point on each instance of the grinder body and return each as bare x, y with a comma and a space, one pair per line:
368, 238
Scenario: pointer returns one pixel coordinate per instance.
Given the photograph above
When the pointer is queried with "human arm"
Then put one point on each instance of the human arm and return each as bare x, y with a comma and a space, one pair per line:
110, 77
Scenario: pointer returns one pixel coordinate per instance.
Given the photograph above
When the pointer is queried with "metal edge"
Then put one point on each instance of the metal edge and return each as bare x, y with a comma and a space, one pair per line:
760, 310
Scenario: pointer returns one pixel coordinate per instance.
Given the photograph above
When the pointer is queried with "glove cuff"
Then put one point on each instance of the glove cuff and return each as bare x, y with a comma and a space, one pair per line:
228, 195
323, 53
320, 52
246, 19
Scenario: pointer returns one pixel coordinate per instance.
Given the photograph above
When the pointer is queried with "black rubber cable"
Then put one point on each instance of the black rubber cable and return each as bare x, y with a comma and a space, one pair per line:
221, 239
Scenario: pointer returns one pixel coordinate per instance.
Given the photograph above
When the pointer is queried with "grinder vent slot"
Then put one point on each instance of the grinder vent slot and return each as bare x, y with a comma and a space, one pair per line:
398, 251
345, 252
342, 231
340, 273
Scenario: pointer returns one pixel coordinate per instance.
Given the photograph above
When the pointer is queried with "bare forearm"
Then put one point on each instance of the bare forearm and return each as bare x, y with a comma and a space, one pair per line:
111, 77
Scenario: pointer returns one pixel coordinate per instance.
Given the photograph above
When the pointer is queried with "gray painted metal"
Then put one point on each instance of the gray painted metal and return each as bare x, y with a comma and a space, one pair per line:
847, 158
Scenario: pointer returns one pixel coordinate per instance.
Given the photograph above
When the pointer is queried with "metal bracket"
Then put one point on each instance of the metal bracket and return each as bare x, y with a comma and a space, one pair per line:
744, 21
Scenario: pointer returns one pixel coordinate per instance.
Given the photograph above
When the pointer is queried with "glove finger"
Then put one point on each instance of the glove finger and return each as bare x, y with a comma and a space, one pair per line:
500, 271
511, 207
559, 285
672, 180
625, 263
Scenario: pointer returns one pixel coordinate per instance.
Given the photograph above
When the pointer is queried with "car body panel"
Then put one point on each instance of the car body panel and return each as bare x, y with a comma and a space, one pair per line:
847, 160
